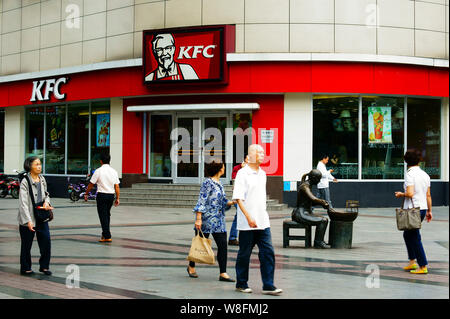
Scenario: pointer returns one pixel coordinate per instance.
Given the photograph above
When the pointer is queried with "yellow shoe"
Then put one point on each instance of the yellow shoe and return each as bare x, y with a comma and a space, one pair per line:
420, 271
411, 267
104, 240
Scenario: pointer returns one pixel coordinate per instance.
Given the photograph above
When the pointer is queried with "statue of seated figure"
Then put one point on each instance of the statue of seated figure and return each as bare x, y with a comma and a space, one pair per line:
305, 200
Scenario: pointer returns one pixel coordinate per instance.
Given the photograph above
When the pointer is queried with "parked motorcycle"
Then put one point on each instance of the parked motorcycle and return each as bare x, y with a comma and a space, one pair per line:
9, 186
77, 190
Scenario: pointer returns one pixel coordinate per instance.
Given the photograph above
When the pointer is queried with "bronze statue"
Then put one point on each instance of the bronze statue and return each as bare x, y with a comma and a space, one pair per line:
305, 200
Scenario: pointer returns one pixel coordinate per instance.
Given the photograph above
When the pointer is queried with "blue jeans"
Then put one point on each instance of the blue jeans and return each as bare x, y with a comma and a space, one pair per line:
247, 240
413, 242
324, 193
233, 230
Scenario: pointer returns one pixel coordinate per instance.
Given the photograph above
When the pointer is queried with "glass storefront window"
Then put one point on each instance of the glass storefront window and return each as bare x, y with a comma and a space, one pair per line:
242, 137
160, 145
382, 137
100, 131
335, 126
34, 143
424, 132
78, 139
2, 140
55, 139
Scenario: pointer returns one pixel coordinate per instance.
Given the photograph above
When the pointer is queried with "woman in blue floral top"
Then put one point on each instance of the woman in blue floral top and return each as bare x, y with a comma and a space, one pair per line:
210, 216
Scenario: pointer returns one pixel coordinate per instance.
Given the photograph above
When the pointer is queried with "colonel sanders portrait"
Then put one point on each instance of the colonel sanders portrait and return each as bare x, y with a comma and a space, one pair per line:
163, 48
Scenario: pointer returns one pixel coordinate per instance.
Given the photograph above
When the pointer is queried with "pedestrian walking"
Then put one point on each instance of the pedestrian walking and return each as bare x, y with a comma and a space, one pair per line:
233, 239
29, 224
323, 188
107, 181
417, 193
210, 216
253, 223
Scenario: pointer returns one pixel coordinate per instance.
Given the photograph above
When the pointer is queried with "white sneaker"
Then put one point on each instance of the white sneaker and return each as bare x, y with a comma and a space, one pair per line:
245, 290
274, 292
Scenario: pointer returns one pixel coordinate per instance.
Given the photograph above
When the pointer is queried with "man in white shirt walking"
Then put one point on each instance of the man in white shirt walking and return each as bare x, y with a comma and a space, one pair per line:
253, 223
107, 181
323, 188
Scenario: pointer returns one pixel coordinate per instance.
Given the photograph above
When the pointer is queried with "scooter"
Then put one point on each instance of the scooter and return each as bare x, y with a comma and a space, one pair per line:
77, 190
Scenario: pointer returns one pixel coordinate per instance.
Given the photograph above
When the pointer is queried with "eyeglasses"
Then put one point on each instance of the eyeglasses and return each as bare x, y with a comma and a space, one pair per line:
159, 51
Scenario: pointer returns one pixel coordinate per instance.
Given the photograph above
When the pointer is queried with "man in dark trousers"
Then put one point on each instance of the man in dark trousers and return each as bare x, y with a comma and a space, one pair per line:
107, 181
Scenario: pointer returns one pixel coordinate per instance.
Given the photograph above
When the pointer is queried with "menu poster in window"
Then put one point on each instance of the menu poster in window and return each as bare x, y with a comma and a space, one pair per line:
380, 125
103, 121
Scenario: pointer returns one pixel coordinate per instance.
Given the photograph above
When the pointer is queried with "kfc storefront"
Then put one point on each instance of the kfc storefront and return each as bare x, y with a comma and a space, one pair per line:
191, 99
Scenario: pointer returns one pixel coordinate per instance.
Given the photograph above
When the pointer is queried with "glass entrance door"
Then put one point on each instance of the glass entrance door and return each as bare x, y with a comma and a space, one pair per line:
188, 151
201, 139
214, 142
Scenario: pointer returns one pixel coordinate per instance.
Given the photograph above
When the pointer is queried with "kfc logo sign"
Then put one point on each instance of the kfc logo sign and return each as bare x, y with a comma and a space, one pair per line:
185, 55
43, 88
184, 51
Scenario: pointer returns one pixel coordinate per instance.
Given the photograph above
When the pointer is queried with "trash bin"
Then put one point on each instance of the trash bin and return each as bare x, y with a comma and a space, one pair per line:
341, 228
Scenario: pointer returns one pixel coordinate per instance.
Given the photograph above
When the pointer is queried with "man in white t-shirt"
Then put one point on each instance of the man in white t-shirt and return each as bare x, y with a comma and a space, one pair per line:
323, 188
253, 223
107, 181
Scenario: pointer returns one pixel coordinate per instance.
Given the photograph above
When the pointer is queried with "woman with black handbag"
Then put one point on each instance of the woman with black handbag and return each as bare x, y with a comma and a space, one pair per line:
35, 212
417, 194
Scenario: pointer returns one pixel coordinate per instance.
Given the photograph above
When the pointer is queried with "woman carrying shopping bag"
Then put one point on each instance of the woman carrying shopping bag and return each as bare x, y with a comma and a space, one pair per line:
417, 194
210, 216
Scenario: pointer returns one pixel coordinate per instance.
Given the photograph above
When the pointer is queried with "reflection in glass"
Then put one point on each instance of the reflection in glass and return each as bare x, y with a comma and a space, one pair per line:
335, 125
424, 132
34, 127
55, 139
78, 139
214, 128
160, 145
242, 138
188, 167
100, 131
382, 137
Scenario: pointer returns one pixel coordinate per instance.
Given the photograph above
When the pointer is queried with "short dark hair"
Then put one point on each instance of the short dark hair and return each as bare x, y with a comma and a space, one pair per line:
412, 157
323, 155
105, 158
28, 162
213, 167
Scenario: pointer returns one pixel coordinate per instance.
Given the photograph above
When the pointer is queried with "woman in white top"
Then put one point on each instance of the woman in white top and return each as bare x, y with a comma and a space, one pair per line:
417, 193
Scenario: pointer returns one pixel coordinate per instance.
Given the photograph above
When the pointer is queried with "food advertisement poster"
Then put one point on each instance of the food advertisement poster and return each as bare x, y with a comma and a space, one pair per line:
380, 130
103, 130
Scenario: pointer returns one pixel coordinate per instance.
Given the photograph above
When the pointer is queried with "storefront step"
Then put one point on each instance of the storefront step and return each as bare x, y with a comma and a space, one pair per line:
172, 186
277, 207
129, 191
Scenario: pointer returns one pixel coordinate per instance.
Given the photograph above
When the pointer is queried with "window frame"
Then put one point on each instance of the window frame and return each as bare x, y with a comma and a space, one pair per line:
405, 132
44, 124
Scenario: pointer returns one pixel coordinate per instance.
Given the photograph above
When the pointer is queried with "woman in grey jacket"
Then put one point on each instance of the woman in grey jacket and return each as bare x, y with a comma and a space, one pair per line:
28, 225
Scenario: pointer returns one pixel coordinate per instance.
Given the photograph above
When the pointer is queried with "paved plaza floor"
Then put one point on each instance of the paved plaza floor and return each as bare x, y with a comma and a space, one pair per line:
147, 258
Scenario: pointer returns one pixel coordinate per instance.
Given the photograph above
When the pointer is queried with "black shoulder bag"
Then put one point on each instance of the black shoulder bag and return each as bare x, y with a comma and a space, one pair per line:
41, 215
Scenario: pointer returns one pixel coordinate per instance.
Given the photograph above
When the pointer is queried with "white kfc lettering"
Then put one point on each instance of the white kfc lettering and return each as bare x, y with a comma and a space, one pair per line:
51, 85
205, 51
198, 49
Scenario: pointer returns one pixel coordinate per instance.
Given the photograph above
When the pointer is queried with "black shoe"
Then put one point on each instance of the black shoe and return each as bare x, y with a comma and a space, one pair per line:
45, 272
27, 273
192, 275
233, 242
226, 279
321, 245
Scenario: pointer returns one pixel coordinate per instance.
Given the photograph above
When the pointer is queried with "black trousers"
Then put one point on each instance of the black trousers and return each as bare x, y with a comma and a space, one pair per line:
104, 204
222, 250
43, 238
